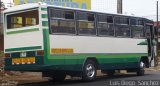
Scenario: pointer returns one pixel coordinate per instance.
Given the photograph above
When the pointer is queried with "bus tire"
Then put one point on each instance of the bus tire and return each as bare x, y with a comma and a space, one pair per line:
89, 71
58, 77
141, 69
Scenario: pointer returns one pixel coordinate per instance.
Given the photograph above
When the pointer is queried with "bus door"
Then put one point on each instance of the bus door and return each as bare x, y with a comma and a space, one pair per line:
149, 33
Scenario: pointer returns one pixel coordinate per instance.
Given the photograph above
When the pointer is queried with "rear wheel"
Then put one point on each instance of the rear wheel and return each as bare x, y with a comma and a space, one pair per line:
89, 71
141, 69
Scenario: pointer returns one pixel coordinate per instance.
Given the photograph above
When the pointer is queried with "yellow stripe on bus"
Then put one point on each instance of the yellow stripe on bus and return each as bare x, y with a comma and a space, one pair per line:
62, 50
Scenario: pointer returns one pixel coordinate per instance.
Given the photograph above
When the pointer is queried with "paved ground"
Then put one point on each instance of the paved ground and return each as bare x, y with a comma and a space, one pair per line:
35, 79
107, 81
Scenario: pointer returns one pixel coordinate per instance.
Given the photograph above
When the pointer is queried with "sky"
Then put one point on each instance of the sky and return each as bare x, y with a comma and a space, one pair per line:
143, 8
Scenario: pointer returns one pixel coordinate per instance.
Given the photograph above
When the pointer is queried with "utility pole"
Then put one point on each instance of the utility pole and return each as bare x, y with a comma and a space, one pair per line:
157, 34
120, 6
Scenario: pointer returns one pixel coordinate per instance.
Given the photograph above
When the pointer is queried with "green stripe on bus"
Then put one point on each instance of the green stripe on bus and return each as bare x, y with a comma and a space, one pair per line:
44, 23
44, 9
23, 48
44, 16
102, 58
23, 31
46, 44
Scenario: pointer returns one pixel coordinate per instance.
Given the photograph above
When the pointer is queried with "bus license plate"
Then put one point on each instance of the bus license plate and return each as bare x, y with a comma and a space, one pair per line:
27, 60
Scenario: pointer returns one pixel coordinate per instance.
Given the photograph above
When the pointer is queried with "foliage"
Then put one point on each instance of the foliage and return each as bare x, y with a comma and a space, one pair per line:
2, 5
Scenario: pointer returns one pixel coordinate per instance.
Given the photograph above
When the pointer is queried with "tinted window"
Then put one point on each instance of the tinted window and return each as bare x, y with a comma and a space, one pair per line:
121, 20
122, 31
86, 23
137, 32
62, 21
133, 21
102, 18
105, 28
140, 22
18, 20
58, 13
109, 19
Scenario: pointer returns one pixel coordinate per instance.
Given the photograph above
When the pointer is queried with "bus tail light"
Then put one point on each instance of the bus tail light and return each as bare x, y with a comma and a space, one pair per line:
40, 53
7, 55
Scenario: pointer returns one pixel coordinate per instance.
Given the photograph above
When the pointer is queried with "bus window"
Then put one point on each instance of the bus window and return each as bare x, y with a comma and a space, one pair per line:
140, 22
122, 20
137, 31
23, 19
133, 22
109, 19
122, 31
86, 23
62, 21
30, 21
104, 25
63, 14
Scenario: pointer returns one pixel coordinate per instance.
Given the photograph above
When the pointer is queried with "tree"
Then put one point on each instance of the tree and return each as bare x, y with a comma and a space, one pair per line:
2, 6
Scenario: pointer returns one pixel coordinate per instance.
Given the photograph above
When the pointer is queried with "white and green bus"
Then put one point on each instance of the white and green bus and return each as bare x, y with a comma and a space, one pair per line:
60, 41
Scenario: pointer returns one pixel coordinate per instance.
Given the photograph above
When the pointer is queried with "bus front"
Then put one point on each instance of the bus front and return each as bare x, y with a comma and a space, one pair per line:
23, 38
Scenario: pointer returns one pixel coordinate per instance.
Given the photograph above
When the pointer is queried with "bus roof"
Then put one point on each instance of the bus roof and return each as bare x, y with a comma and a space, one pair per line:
34, 5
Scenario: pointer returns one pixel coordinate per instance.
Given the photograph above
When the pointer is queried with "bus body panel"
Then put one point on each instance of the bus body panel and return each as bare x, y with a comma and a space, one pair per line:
70, 52
23, 44
26, 39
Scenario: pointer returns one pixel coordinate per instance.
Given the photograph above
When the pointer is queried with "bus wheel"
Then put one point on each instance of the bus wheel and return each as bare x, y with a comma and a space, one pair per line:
141, 69
58, 77
89, 71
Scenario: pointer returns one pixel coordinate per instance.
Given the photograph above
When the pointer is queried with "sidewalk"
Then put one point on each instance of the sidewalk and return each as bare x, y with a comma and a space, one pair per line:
157, 68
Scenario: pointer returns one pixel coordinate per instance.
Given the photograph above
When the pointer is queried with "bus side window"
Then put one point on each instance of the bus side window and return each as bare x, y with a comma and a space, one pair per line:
105, 25
137, 29
62, 21
86, 23
122, 26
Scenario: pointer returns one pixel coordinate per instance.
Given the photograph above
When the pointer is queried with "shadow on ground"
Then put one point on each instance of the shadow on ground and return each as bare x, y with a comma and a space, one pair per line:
81, 83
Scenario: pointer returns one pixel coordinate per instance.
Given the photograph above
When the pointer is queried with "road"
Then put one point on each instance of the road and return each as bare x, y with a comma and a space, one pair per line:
117, 80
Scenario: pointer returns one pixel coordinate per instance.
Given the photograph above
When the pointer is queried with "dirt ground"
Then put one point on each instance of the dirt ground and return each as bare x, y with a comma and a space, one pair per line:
30, 77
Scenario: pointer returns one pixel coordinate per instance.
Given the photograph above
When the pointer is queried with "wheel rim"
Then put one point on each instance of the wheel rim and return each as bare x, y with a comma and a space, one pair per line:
142, 65
90, 70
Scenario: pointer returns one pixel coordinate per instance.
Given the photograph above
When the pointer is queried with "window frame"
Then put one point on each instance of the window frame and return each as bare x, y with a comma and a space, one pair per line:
17, 12
79, 20
142, 30
122, 36
95, 31
108, 23
121, 18
55, 18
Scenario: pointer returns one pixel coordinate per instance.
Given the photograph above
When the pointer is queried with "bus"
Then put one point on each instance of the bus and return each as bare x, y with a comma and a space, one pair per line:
60, 41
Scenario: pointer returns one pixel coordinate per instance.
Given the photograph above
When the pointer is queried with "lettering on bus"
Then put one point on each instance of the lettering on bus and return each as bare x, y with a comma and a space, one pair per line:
62, 50
83, 4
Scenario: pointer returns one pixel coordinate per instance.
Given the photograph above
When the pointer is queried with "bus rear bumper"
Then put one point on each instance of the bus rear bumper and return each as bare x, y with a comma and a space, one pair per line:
37, 68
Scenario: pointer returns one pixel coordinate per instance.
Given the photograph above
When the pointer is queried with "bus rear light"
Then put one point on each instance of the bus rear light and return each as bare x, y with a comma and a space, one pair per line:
7, 55
40, 53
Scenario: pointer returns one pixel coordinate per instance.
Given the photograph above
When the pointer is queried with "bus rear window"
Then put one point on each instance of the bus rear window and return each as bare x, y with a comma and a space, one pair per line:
23, 19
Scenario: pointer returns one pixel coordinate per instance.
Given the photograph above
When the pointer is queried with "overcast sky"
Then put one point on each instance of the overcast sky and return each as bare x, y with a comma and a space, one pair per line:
145, 8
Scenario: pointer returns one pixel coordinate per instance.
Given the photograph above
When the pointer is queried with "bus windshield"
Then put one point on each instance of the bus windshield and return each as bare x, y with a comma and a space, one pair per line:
22, 19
